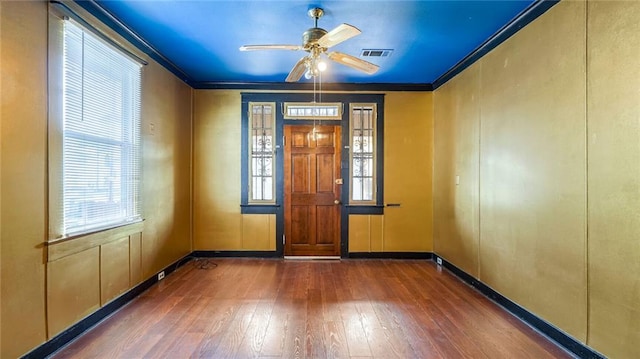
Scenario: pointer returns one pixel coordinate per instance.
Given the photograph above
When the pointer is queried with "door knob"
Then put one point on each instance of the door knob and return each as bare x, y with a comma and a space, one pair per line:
337, 201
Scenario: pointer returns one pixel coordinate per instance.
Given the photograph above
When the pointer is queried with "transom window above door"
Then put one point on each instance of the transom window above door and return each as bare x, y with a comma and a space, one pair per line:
313, 111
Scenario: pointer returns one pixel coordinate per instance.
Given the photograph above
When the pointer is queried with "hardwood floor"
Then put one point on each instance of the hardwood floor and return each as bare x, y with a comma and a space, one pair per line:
266, 308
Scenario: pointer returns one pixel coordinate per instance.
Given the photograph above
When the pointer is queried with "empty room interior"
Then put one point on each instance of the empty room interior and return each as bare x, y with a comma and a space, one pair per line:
262, 179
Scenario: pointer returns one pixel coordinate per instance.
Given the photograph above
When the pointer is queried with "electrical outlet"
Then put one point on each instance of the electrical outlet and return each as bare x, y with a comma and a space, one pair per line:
439, 261
161, 275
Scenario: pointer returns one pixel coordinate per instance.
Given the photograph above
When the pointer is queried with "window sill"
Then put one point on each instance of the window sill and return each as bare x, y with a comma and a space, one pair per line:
364, 209
260, 205
254, 208
60, 248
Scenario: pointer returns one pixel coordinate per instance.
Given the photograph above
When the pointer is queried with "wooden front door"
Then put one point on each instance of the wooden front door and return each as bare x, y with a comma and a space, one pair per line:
311, 194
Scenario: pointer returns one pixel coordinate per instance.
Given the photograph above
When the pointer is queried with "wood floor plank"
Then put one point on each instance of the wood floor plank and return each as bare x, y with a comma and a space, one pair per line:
216, 326
348, 292
266, 308
253, 339
315, 346
355, 332
334, 334
235, 331
295, 330
383, 341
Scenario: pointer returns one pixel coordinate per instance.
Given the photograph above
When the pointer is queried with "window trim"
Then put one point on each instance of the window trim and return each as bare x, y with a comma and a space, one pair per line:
59, 13
374, 198
274, 170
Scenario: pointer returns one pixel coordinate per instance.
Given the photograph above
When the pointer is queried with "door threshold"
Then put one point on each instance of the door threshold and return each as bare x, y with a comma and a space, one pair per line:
307, 258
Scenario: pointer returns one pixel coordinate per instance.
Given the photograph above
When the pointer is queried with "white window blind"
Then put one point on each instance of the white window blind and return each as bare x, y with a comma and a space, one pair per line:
101, 134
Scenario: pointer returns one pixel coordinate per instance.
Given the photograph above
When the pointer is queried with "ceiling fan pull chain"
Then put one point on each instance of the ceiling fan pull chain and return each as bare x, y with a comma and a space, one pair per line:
320, 94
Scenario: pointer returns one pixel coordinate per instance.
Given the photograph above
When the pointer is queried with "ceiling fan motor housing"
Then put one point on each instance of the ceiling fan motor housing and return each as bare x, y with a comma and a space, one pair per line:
311, 37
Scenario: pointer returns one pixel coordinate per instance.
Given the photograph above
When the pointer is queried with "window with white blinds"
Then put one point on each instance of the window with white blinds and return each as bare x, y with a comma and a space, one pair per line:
101, 134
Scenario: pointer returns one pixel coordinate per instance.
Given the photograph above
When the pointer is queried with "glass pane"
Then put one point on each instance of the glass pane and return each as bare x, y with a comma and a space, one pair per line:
367, 144
256, 185
357, 167
357, 143
254, 166
367, 192
265, 142
268, 188
267, 167
357, 189
357, 122
261, 150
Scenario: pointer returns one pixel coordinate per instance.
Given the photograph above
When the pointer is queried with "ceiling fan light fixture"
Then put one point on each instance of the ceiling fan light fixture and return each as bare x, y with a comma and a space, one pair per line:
322, 65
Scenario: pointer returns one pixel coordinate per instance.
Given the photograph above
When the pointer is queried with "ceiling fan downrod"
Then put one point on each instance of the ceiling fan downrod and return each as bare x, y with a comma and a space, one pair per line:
316, 13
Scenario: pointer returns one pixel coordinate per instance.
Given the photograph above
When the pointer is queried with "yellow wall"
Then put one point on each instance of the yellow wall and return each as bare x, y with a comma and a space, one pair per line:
219, 225
1, 110
23, 46
532, 168
166, 163
217, 222
543, 132
366, 233
456, 229
613, 130
102, 273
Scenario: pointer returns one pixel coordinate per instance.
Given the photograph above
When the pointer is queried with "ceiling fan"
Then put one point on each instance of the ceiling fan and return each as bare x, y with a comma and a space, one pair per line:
316, 41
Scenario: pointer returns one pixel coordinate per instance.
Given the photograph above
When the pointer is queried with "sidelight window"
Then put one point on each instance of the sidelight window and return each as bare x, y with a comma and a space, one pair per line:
261, 161
363, 153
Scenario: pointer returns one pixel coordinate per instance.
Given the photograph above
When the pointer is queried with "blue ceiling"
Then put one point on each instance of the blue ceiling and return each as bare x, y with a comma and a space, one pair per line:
200, 39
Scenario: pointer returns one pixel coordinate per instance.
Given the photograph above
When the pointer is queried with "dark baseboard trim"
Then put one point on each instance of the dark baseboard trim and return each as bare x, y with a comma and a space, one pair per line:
54, 344
390, 255
560, 337
275, 254
237, 254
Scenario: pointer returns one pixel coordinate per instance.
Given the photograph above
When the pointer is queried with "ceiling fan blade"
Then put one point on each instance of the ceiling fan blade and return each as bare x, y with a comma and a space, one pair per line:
270, 47
298, 70
339, 34
354, 62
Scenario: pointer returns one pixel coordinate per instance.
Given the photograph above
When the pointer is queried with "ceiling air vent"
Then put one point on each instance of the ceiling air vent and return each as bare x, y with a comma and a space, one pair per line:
376, 53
